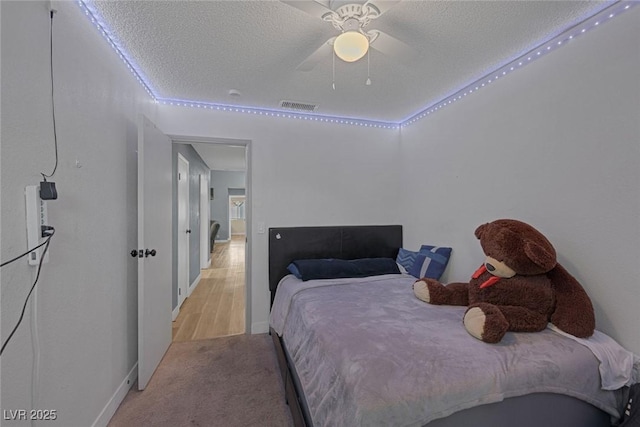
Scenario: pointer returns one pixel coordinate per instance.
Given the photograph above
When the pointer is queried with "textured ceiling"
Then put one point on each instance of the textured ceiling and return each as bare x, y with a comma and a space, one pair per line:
200, 50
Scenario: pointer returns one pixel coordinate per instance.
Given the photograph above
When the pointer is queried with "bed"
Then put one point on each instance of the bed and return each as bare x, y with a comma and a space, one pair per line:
365, 351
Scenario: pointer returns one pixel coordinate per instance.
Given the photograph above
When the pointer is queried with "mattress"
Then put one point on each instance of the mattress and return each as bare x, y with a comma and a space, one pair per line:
367, 352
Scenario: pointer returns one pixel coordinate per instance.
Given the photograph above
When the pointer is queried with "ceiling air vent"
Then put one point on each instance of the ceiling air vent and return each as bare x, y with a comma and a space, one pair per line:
298, 106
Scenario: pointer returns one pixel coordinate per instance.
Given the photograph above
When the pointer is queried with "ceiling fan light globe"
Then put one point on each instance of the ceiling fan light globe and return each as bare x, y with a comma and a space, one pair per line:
351, 46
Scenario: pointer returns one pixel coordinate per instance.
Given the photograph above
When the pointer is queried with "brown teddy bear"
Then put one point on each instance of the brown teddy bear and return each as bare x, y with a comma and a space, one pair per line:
520, 287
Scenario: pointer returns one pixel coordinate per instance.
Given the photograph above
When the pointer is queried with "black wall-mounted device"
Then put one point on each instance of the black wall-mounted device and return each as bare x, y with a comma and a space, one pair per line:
48, 190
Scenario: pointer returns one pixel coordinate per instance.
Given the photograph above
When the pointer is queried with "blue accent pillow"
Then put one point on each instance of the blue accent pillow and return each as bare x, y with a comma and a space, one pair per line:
405, 259
293, 269
311, 269
430, 261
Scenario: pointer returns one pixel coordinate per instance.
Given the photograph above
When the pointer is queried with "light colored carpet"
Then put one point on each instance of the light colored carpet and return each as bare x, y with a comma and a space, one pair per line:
229, 381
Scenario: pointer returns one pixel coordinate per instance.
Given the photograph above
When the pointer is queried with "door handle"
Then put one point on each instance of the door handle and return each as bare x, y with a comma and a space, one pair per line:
188, 231
151, 252
136, 253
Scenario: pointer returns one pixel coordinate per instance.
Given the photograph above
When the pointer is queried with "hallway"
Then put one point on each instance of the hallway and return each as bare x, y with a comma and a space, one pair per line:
216, 307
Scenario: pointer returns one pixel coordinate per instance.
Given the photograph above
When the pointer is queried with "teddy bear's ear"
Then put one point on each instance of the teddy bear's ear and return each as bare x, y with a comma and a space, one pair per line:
481, 230
539, 255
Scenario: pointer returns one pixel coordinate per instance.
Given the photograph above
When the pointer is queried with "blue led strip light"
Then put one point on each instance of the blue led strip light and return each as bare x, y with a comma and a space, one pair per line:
95, 18
549, 46
281, 114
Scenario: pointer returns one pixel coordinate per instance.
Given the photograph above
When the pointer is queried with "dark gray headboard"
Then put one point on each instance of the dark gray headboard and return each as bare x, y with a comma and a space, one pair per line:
342, 242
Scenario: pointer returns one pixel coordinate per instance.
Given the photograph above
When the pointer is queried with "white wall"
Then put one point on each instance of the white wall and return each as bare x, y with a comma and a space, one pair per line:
87, 294
556, 144
302, 173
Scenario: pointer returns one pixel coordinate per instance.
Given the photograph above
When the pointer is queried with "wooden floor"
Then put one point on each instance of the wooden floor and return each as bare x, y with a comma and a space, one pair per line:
216, 307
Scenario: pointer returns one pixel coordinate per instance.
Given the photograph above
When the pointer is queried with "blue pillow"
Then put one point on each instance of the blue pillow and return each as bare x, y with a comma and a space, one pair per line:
293, 269
430, 262
310, 269
406, 258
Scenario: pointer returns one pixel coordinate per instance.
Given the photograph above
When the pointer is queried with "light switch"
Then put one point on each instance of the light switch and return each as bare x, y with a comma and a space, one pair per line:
261, 227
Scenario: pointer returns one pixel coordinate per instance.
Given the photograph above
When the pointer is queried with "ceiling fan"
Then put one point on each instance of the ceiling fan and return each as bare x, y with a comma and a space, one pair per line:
354, 40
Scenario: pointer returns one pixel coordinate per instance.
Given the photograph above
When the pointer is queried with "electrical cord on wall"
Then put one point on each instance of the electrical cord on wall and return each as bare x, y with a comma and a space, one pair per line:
53, 107
24, 254
35, 362
47, 192
51, 232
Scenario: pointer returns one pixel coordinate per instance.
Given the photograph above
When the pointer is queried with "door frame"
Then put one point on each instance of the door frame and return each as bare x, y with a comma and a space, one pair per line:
205, 209
183, 242
188, 139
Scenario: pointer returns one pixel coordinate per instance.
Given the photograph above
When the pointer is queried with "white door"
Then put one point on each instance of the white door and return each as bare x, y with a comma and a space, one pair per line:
204, 221
184, 232
154, 245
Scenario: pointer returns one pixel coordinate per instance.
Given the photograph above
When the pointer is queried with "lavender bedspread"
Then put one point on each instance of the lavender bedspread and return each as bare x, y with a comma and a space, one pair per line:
368, 353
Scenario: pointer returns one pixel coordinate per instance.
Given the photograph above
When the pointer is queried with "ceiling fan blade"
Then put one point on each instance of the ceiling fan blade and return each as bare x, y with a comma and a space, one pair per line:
322, 53
392, 47
382, 5
310, 7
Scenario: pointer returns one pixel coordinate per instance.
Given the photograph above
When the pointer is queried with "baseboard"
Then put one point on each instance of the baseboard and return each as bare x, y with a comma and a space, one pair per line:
260, 327
193, 285
174, 314
117, 398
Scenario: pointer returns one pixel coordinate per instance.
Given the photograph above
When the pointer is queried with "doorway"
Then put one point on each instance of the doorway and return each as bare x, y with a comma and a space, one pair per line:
237, 218
217, 305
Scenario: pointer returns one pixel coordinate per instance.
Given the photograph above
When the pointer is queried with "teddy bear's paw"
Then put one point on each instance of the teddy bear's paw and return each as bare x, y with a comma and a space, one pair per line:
474, 320
485, 322
421, 290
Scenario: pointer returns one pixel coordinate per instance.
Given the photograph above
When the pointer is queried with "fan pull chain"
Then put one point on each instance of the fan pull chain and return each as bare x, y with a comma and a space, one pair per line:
368, 82
333, 81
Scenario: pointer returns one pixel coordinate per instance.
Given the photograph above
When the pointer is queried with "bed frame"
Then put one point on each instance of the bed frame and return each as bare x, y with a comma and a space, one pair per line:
352, 242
